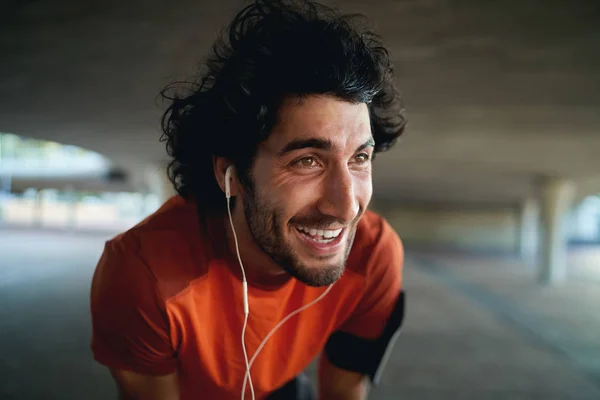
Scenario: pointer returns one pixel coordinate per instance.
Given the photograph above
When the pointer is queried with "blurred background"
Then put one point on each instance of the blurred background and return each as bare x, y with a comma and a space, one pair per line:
494, 189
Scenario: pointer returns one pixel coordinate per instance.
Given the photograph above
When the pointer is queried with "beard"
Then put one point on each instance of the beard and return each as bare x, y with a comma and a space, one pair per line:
266, 225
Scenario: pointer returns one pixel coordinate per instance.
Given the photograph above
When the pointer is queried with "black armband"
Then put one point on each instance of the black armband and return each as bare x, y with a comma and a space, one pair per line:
368, 357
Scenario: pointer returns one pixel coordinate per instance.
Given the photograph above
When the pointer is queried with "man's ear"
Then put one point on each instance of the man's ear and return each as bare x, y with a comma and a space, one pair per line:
220, 165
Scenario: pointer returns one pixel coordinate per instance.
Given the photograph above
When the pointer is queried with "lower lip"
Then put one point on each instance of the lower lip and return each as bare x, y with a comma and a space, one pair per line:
322, 248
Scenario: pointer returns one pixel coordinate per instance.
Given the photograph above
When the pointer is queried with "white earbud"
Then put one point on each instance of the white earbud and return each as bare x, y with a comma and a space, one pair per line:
228, 177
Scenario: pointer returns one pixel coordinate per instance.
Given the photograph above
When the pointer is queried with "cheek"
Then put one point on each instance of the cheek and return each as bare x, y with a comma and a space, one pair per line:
296, 193
292, 193
363, 188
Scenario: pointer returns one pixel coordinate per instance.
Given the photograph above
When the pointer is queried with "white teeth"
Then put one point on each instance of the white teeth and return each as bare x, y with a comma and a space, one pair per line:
321, 240
324, 233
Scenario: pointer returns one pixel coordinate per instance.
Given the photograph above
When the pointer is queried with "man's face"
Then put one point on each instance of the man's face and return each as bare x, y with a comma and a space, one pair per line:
311, 184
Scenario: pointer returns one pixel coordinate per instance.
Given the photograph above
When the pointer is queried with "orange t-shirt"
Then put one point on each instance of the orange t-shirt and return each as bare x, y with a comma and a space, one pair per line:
166, 297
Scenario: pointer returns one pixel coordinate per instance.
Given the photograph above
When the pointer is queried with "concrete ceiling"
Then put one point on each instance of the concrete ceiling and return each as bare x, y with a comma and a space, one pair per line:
499, 93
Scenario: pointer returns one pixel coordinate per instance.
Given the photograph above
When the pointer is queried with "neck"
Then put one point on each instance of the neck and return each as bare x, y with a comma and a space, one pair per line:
258, 266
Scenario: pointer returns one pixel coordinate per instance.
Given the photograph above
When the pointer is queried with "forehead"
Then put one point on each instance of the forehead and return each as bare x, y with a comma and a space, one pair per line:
343, 123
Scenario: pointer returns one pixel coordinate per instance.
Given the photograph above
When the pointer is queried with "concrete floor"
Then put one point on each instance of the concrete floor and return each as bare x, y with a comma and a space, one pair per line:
476, 327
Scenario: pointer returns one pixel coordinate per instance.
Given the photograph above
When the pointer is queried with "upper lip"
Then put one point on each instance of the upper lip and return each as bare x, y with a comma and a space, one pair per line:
329, 228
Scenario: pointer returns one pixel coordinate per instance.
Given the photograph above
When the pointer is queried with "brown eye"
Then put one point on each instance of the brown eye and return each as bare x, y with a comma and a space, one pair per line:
362, 158
307, 162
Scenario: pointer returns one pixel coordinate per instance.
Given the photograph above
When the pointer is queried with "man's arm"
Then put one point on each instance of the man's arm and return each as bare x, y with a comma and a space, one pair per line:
134, 386
130, 327
340, 384
360, 346
356, 358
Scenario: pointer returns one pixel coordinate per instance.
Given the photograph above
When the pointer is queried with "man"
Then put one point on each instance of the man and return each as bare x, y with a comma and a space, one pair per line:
292, 107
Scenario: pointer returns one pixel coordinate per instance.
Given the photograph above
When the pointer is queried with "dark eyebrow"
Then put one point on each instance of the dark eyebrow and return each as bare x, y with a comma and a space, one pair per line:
299, 144
368, 143
315, 143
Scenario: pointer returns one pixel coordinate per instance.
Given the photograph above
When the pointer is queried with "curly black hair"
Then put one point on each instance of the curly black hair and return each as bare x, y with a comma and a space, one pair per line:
272, 49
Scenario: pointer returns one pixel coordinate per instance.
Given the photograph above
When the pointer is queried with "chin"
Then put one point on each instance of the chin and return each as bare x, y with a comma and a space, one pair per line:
317, 274
315, 265
321, 262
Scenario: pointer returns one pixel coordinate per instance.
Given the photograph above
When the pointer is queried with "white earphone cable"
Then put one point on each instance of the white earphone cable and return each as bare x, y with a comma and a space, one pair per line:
283, 321
246, 306
247, 376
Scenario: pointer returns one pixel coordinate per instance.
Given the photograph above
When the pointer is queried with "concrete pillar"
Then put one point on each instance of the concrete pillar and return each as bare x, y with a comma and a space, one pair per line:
72, 204
529, 229
158, 182
5, 183
38, 209
556, 199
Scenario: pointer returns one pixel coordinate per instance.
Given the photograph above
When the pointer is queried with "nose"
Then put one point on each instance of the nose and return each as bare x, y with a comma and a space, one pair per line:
339, 199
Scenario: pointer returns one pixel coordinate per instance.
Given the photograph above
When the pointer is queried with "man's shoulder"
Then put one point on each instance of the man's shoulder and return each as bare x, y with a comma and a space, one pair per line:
173, 224
174, 214
374, 233
375, 239
168, 244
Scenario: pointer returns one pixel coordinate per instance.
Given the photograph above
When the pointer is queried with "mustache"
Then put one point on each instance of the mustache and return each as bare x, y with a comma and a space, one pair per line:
320, 221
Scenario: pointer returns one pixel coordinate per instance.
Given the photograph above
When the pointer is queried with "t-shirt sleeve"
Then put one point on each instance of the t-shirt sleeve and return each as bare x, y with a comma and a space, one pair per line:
130, 328
382, 290
372, 327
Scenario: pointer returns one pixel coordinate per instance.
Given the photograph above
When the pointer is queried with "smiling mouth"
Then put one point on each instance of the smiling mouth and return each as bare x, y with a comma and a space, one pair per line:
321, 236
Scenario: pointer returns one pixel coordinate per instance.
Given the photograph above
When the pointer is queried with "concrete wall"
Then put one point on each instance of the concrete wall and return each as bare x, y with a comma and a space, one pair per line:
585, 221
474, 229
